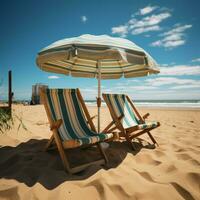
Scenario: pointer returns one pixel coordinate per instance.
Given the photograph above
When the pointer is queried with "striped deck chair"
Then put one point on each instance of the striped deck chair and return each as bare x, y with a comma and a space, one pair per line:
127, 119
71, 125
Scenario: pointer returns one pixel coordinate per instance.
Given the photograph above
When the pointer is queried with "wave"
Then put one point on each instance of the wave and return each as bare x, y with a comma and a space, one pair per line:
161, 103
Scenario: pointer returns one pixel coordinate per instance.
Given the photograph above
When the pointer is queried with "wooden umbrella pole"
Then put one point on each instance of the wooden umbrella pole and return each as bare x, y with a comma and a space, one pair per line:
99, 93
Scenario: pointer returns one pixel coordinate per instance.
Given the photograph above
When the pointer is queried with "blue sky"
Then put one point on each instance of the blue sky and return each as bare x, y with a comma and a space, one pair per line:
168, 30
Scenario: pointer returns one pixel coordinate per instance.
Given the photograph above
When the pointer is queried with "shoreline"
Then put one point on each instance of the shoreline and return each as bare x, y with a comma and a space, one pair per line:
103, 106
169, 108
156, 107
173, 108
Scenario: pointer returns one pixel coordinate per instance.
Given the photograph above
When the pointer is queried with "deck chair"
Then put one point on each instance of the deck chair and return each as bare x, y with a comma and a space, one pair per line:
127, 119
71, 125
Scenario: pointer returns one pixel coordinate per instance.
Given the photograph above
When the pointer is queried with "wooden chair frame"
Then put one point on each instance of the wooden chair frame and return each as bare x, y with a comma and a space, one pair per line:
62, 145
131, 132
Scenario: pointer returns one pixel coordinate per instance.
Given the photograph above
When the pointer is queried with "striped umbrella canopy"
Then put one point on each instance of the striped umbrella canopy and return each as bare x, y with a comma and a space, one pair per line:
101, 57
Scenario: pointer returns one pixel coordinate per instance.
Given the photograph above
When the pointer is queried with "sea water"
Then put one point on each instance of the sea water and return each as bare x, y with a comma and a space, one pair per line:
159, 103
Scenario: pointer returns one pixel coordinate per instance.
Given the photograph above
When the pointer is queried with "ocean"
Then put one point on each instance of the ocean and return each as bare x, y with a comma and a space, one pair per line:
159, 103
144, 103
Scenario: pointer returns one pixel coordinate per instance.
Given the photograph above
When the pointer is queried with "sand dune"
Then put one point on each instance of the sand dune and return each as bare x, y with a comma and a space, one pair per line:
171, 171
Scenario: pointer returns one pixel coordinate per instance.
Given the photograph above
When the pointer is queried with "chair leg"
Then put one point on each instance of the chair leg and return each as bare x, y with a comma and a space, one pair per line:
50, 141
152, 138
128, 139
62, 153
102, 152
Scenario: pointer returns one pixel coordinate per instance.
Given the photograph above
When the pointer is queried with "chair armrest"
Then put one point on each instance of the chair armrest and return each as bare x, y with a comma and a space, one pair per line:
146, 116
108, 128
92, 118
56, 124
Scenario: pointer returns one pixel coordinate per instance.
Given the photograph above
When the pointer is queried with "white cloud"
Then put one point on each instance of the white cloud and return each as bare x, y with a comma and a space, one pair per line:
147, 10
142, 87
53, 77
167, 43
178, 29
149, 20
137, 26
151, 88
132, 88
89, 92
84, 18
196, 60
145, 29
172, 38
180, 70
122, 30
161, 88
160, 81
176, 84
191, 86
146, 24
164, 65
165, 94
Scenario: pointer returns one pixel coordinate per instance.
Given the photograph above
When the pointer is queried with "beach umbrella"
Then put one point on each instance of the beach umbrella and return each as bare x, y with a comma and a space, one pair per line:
101, 57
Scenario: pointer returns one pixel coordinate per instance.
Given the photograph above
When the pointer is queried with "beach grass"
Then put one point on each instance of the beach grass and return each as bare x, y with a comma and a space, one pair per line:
5, 120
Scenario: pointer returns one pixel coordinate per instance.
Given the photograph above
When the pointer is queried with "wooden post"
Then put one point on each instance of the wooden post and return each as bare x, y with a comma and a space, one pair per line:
10, 90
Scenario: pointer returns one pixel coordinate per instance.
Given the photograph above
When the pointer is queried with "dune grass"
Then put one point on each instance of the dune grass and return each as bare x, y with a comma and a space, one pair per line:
5, 120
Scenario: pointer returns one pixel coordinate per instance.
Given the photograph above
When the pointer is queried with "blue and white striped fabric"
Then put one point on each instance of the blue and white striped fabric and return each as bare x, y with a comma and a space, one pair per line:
121, 106
64, 104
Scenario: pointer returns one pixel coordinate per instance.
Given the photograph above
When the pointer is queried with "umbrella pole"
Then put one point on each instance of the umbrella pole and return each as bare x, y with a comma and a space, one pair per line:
104, 145
99, 93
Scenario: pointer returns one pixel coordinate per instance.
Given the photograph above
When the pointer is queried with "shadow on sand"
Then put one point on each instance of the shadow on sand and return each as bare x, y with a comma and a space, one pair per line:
28, 163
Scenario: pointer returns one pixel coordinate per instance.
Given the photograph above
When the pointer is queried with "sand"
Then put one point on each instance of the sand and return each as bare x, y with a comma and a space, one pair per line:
170, 171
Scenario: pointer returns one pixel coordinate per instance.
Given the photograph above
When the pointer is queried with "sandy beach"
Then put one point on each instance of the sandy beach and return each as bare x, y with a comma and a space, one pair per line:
170, 171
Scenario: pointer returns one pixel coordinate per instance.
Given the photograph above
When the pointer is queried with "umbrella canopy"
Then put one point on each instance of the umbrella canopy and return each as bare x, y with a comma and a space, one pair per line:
78, 57
101, 57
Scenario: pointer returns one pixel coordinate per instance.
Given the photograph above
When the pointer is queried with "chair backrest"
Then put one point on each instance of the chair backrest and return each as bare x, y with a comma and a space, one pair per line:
65, 104
119, 105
